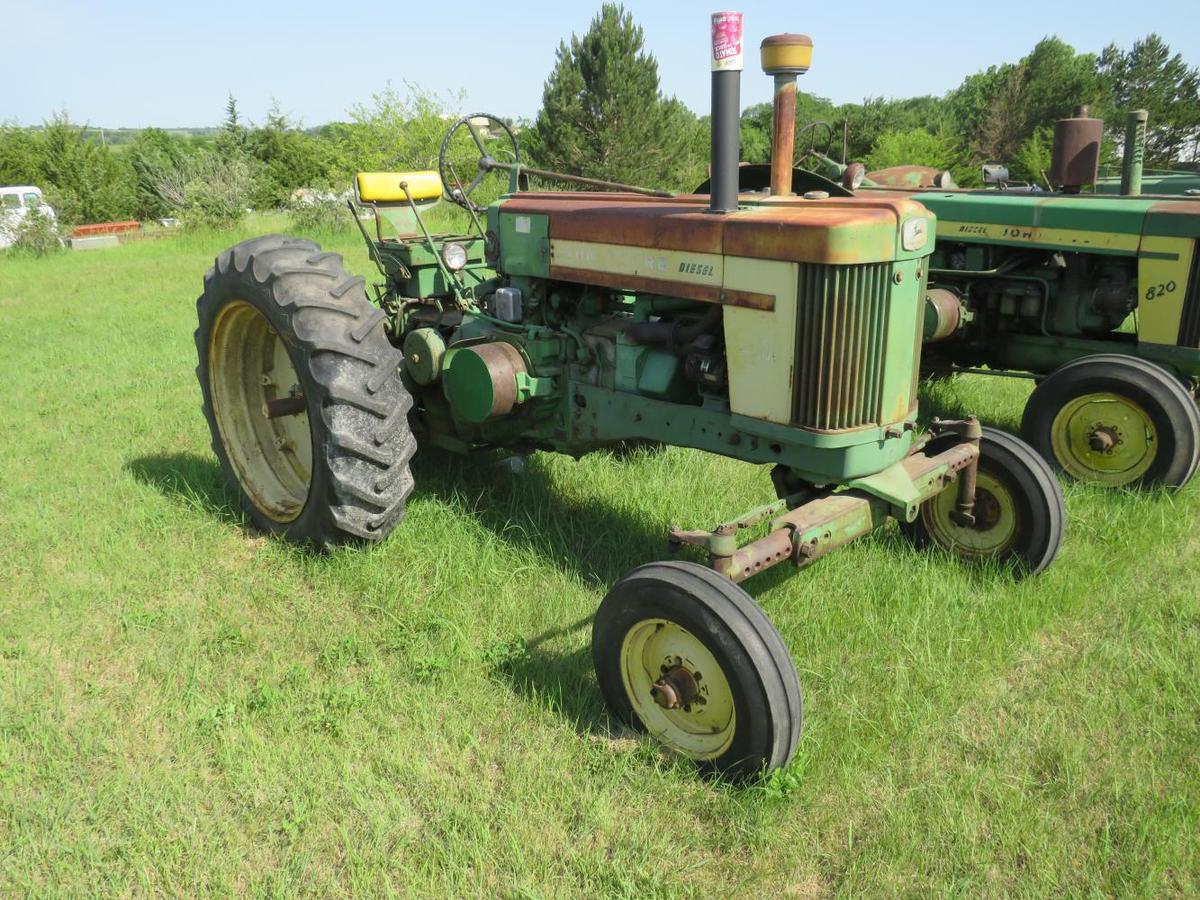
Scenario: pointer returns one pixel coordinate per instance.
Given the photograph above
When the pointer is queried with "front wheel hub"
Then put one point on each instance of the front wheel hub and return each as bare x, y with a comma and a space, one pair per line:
676, 688
1103, 438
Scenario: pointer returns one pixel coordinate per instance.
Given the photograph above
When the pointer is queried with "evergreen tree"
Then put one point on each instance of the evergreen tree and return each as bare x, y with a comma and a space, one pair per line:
159, 162
1149, 77
232, 138
604, 116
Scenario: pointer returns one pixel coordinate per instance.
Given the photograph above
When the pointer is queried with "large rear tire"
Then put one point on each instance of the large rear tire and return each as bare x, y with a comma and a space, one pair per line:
302, 393
686, 655
1115, 420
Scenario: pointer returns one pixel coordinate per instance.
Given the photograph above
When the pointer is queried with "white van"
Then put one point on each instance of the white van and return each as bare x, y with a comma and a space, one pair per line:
16, 201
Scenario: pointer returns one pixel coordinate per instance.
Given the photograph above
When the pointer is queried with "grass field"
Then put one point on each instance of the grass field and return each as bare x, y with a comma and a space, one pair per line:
189, 708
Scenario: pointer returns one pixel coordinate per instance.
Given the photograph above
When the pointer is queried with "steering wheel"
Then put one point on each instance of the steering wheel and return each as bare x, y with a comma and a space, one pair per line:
488, 156
813, 128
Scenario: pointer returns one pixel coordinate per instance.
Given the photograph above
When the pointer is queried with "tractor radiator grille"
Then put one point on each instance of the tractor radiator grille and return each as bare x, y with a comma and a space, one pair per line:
1189, 327
841, 322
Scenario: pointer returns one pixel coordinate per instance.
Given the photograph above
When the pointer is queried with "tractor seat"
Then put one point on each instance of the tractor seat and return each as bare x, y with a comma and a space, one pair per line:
384, 187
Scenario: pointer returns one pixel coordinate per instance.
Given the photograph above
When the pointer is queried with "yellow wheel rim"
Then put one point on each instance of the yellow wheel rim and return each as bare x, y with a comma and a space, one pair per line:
1104, 437
701, 729
249, 366
996, 520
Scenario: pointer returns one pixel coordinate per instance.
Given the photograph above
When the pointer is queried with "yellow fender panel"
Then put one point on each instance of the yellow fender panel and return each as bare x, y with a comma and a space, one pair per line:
384, 187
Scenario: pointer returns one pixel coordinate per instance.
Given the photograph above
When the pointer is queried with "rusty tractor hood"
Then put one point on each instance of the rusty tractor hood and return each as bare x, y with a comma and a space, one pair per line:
837, 231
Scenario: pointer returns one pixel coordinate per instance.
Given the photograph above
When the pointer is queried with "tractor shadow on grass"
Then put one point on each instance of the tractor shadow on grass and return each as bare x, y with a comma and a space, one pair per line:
525, 510
554, 670
596, 541
193, 480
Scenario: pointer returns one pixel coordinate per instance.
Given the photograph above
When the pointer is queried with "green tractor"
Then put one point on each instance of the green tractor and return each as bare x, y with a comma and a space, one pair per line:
778, 334
1096, 297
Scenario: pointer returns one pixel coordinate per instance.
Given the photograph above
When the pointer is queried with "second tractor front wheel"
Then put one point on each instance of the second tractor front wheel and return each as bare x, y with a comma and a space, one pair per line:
1115, 420
686, 655
1019, 514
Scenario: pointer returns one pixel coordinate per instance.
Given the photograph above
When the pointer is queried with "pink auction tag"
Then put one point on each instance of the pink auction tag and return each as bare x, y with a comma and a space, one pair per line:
727, 41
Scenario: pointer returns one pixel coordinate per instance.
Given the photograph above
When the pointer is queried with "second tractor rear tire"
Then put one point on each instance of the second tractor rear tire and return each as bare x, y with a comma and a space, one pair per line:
1115, 420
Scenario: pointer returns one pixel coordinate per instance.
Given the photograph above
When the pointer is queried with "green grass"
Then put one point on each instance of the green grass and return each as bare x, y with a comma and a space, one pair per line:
189, 708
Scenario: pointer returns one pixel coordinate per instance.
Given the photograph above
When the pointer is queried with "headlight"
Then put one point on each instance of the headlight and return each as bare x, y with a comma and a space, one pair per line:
914, 233
454, 256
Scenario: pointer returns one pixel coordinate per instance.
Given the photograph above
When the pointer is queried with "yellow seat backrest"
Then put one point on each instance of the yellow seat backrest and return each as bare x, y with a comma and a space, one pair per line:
384, 187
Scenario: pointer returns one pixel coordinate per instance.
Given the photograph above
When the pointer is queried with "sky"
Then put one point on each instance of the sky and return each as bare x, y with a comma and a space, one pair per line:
127, 63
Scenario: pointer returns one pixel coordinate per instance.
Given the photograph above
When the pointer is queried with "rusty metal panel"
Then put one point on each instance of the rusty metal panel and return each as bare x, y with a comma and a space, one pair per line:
626, 219
838, 230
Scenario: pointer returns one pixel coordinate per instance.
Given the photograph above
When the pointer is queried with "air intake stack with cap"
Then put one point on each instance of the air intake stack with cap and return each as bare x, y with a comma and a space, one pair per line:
784, 56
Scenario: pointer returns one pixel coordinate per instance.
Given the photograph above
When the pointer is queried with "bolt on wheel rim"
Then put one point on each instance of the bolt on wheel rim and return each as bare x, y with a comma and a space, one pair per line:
656, 648
249, 368
996, 519
1104, 437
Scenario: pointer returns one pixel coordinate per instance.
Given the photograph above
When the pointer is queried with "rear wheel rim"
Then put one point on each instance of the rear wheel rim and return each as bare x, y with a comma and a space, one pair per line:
1104, 437
997, 519
704, 729
249, 365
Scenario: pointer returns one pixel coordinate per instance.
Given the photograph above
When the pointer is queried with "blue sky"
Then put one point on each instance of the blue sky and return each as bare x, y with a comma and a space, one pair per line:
125, 63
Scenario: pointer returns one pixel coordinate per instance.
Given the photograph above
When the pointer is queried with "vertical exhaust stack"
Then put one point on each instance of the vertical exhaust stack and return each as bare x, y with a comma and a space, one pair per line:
1135, 149
784, 56
727, 64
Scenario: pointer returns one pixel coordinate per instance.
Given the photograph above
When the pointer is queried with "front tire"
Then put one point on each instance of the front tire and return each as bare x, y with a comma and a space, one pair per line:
1019, 512
1115, 420
679, 632
302, 393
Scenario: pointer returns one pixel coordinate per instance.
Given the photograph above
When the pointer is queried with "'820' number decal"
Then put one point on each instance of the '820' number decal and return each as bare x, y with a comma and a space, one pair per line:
1160, 290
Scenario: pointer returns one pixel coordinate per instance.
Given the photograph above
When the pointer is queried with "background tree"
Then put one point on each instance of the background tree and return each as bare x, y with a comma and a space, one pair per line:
231, 139
85, 181
1149, 77
998, 110
917, 147
604, 116
20, 156
157, 161
287, 159
393, 131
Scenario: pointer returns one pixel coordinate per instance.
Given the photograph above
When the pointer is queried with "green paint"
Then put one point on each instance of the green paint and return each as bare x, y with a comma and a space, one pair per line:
524, 242
1048, 278
468, 385
847, 321
414, 269
423, 353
